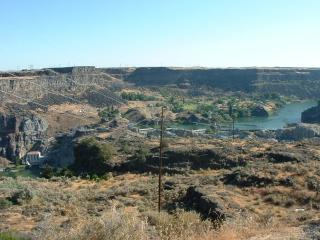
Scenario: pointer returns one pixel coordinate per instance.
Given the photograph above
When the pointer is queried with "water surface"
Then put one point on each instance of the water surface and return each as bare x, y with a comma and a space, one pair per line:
290, 113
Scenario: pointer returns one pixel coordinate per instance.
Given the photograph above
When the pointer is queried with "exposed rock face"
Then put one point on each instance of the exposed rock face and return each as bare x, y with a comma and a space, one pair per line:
302, 82
228, 79
311, 115
207, 201
294, 132
20, 134
281, 157
260, 111
135, 115
73, 82
298, 132
242, 178
191, 118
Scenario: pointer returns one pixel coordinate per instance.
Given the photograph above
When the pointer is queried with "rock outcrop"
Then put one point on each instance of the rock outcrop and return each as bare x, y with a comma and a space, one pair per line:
298, 132
242, 178
135, 115
72, 82
191, 118
302, 82
282, 157
19, 134
311, 115
210, 203
260, 111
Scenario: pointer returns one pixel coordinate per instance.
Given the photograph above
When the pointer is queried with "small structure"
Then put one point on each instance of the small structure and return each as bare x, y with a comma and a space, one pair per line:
33, 158
199, 131
145, 131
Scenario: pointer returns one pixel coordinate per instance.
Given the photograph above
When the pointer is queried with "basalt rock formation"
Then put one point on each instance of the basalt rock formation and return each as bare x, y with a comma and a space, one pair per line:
311, 115
302, 82
19, 134
63, 84
260, 111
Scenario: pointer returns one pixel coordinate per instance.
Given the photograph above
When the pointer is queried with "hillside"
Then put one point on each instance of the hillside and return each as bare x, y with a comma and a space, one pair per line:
251, 190
302, 82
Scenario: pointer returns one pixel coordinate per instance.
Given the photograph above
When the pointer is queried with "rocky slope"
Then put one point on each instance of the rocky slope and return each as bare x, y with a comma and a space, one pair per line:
276, 189
19, 134
75, 82
311, 115
302, 82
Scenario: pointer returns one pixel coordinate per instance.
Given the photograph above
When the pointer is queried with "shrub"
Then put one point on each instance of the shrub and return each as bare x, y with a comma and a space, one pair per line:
47, 171
126, 149
5, 203
10, 236
108, 113
21, 196
107, 176
131, 96
114, 224
180, 225
142, 154
66, 172
92, 156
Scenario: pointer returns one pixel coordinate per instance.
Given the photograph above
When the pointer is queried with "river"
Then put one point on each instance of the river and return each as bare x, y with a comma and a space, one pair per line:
290, 113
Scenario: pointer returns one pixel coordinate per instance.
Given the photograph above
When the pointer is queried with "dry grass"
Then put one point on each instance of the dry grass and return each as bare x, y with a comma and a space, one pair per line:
114, 224
118, 224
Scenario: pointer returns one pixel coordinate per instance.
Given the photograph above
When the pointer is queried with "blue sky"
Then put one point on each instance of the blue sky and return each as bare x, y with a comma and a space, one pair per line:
209, 33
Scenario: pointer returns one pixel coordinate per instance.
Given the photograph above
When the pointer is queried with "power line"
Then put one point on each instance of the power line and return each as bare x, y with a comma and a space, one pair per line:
56, 93
45, 106
60, 94
160, 162
82, 84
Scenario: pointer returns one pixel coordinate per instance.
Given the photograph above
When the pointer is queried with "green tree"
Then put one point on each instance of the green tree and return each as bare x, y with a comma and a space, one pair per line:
142, 153
47, 171
92, 156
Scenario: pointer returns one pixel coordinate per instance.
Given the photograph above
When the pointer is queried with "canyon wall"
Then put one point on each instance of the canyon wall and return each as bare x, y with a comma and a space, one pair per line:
302, 82
20, 134
70, 81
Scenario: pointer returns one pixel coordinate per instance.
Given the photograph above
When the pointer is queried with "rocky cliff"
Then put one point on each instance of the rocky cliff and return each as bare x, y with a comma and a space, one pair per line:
311, 115
74, 82
227, 79
19, 134
302, 82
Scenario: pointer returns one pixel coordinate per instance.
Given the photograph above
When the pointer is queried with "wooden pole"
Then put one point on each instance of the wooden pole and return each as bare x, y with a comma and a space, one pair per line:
232, 128
160, 162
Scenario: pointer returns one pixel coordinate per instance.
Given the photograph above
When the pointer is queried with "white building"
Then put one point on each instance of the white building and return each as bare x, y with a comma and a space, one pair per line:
33, 158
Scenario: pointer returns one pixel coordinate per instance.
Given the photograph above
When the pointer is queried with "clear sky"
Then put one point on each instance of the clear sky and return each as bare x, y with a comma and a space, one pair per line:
209, 33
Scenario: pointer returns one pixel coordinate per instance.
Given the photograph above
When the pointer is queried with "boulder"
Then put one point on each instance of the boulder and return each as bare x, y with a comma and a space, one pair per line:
281, 157
260, 111
135, 115
243, 178
209, 203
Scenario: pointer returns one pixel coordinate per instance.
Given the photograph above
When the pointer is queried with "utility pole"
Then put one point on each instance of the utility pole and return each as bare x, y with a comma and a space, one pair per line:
160, 161
232, 127
231, 113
